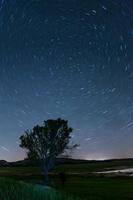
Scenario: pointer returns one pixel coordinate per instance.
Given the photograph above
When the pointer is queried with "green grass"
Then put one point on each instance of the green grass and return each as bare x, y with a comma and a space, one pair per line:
35, 171
16, 190
77, 186
70, 168
79, 168
99, 188
93, 188
7, 171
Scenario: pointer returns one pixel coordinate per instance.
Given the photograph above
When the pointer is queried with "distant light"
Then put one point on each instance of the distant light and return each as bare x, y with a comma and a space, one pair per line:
96, 157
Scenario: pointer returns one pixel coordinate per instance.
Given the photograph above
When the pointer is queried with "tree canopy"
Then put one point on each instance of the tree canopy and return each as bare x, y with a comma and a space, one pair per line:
47, 141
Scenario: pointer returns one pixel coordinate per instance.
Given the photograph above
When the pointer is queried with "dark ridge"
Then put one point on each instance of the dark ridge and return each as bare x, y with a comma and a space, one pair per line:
26, 162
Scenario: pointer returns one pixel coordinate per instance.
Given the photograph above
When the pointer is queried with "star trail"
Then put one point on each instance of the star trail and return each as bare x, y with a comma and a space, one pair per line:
71, 59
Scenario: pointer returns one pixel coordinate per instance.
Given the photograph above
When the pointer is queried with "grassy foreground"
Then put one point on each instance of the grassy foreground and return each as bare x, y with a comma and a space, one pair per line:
99, 188
78, 186
19, 190
16, 190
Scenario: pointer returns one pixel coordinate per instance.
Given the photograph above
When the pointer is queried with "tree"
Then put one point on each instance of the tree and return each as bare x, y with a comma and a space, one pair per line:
46, 142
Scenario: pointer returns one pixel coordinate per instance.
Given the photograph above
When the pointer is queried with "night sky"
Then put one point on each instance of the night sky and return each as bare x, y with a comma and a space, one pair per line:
71, 59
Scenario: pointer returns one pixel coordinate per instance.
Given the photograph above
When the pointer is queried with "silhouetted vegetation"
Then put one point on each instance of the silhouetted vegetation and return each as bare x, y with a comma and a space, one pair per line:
63, 177
46, 142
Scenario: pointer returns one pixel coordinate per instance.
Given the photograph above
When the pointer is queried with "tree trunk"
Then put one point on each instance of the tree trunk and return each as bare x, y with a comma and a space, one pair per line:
46, 165
45, 173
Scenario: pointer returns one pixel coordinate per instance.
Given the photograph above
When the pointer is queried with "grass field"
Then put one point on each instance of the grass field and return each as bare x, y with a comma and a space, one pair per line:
95, 188
14, 190
77, 186
69, 168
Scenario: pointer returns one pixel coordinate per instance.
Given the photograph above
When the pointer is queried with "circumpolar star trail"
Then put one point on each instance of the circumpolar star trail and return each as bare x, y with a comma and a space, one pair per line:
70, 59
